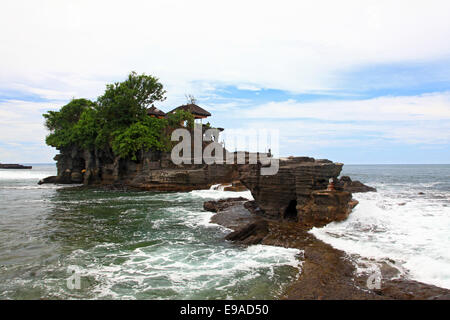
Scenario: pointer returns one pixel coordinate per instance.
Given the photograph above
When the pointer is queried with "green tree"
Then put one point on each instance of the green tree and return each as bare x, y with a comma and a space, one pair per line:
61, 123
118, 121
180, 118
125, 103
85, 131
143, 135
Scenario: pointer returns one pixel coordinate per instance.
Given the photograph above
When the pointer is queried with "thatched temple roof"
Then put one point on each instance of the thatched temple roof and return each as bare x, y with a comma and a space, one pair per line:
153, 111
194, 109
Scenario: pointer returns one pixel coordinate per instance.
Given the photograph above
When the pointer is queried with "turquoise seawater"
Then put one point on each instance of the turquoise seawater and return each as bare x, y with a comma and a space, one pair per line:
125, 245
147, 245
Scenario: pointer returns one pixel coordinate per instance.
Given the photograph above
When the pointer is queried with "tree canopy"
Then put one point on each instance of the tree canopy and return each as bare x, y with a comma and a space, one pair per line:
118, 120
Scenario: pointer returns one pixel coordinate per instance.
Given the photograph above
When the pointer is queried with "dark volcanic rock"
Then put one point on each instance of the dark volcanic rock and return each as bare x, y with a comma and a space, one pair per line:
236, 186
252, 233
51, 179
220, 205
64, 178
325, 207
76, 177
153, 170
347, 184
13, 166
231, 213
326, 273
412, 290
298, 192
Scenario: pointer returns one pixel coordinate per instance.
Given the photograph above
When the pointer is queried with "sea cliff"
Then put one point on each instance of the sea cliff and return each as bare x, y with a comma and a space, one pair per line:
152, 170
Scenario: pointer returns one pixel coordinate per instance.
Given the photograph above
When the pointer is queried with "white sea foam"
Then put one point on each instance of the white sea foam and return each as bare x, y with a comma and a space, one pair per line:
185, 272
398, 224
182, 265
34, 187
24, 174
216, 192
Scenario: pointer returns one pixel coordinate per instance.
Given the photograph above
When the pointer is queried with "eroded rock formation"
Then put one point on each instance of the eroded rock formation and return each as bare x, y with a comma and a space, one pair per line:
220, 205
326, 273
347, 184
298, 192
151, 171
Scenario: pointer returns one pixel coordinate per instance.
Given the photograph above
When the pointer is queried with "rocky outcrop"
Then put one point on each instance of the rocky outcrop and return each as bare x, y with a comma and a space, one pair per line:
62, 179
247, 227
13, 166
326, 273
152, 170
220, 205
298, 192
251, 233
236, 186
347, 184
324, 207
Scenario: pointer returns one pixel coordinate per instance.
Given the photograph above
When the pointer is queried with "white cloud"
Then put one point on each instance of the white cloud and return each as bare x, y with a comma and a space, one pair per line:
303, 137
63, 49
435, 106
34, 153
410, 120
248, 87
22, 121
291, 45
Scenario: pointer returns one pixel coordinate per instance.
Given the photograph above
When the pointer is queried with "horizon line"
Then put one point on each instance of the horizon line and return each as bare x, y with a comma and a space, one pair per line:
38, 163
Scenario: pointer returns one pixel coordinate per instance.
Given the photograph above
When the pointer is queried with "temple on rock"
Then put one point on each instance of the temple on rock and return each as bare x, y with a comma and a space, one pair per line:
197, 112
155, 112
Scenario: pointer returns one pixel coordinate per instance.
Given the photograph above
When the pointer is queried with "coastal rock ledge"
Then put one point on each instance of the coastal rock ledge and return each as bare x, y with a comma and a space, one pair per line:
151, 170
326, 273
301, 191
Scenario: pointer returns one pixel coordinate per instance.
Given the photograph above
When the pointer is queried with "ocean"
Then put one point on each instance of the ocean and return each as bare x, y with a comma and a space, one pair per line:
58, 242
126, 245
407, 220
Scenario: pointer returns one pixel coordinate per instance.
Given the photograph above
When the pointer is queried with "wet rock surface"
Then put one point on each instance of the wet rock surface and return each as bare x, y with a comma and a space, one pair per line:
300, 191
221, 205
347, 184
327, 273
229, 213
236, 186
152, 170
324, 207
251, 233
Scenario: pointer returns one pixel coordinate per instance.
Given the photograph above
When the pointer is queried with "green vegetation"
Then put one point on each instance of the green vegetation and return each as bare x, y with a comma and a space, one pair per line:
181, 117
118, 120
64, 124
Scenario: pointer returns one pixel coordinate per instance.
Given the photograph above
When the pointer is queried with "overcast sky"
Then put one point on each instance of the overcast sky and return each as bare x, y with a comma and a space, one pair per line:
352, 81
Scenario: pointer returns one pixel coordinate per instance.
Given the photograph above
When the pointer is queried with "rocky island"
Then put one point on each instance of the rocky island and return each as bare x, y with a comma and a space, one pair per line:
13, 166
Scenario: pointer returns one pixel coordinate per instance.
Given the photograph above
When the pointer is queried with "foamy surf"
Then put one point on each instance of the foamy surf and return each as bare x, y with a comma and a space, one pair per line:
402, 223
217, 192
146, 245
187, 273
129, 245
11, 174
